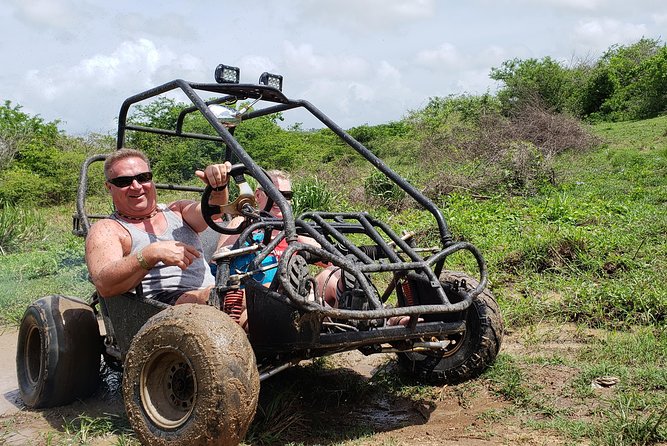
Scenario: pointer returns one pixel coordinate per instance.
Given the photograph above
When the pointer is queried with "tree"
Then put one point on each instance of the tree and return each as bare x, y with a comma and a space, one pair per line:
526, 79
22, 135
638, 75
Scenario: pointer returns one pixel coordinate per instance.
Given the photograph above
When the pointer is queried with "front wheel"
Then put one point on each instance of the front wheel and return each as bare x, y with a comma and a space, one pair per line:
190, 378
470, 352
58, 352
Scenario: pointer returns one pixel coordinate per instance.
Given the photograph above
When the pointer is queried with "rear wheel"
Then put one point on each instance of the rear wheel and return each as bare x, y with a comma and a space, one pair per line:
190, 378
470, 352
58, 352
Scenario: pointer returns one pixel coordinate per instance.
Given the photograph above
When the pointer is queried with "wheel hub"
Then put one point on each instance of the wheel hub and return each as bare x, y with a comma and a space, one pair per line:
168, 388
180, 382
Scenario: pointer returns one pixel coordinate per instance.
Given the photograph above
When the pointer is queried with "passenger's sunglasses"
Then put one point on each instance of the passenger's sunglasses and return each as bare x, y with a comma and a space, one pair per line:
285, 193
144, 177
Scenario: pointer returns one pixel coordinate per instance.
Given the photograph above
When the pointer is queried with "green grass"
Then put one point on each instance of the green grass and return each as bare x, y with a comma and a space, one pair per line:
83, 428
589, 250
50, 264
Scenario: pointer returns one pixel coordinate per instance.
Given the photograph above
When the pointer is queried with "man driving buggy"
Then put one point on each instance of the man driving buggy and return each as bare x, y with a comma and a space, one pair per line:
147, 243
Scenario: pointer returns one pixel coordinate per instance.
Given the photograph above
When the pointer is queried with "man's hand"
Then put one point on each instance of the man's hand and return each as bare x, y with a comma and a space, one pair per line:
215, 175
171, 253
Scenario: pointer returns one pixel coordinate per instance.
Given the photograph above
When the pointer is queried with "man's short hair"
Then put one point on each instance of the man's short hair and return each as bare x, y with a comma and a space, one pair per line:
122, 154
275, 175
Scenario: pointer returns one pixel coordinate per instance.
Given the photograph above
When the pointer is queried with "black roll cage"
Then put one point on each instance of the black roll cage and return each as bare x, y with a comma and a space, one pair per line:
236, 92
322, 226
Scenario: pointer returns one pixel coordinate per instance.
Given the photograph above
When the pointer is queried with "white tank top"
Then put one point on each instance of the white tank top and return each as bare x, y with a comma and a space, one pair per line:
163, 282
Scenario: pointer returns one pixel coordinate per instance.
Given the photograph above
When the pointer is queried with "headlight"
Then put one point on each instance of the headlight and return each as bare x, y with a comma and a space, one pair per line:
225, 74
272, 80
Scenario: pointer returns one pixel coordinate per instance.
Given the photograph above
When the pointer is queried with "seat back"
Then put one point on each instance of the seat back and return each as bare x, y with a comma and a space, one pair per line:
124, 315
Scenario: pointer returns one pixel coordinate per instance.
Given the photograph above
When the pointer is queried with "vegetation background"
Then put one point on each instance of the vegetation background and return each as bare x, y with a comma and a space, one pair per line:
560, 179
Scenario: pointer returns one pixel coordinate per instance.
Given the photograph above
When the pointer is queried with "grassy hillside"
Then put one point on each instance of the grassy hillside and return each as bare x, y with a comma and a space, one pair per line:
590, 248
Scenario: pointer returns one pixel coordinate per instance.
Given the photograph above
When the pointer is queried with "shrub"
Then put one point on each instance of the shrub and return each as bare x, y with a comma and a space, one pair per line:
19, 185
513, 154
553, 133
522, 168
525, 79
379, 188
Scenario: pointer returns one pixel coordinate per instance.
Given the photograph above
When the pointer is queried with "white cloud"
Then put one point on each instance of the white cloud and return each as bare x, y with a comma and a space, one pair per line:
445, 55
493, 56
163, 25
130, 62
101, 82
252, 66
50, 13
387, 73
365, 14
474, 82
581, 5
64, 18
659, 18
599, 34
449, 57
304, 58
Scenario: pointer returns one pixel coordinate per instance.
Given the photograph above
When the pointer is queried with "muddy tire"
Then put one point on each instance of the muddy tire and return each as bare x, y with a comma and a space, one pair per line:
58, 352
190, 378
473, 351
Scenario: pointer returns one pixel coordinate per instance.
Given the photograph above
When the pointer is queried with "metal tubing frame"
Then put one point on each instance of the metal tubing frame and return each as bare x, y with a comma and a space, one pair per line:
288, 226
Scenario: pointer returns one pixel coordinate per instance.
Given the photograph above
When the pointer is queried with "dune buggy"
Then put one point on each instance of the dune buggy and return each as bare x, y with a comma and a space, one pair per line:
190, 373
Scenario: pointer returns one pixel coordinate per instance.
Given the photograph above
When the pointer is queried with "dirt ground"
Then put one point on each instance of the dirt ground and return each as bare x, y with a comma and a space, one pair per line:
454, 415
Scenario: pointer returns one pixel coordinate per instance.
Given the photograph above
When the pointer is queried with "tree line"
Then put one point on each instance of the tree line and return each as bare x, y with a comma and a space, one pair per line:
39, 163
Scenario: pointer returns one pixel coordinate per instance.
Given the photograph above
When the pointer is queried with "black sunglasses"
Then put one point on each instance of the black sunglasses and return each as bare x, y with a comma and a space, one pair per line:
142, 178
285, 193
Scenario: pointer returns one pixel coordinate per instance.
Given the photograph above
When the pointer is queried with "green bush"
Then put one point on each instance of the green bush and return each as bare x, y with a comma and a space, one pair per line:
20, 185
526, 79
379, 188
626, 83
442, 112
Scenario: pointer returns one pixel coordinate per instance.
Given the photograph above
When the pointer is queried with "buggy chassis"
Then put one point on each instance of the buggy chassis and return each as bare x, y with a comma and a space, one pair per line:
302, 334
190, 373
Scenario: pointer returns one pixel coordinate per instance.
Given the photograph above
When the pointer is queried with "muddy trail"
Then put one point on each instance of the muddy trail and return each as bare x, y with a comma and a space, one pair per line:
345, 399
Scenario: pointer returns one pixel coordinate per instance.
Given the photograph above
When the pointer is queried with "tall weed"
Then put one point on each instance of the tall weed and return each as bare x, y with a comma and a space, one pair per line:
18, 227
312, 195
380, 189
631, 421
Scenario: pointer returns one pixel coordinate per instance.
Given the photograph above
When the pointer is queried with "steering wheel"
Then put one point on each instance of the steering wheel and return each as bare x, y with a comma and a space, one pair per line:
246, 197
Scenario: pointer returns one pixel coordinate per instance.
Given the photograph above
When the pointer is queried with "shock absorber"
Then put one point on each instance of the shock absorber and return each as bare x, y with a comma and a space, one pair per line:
407, 293
234, 304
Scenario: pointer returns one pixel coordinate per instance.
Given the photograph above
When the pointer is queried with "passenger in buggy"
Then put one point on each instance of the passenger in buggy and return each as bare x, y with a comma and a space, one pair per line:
329, 282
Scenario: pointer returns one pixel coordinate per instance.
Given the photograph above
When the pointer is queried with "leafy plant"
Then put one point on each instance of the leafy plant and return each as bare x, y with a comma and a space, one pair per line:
380, 188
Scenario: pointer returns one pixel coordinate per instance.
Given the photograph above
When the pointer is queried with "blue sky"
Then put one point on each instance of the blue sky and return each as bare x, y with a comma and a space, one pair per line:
359, 61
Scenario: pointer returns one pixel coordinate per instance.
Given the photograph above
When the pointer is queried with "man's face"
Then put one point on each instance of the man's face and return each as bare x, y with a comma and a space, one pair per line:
261, 197
137, 199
